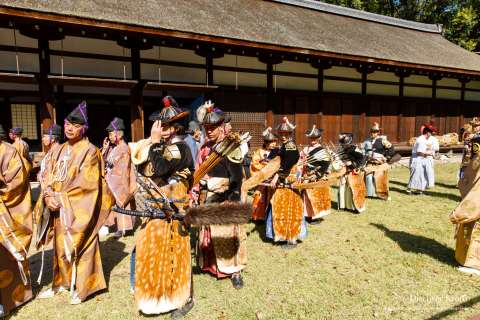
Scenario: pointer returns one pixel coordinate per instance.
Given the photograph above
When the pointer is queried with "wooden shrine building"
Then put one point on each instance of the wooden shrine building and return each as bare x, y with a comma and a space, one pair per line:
339, 68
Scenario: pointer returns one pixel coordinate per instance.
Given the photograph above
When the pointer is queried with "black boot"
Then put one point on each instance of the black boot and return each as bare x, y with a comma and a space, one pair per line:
237, 281
182, 312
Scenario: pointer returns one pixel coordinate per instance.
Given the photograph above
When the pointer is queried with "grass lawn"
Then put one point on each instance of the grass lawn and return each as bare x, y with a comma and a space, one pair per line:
395, 261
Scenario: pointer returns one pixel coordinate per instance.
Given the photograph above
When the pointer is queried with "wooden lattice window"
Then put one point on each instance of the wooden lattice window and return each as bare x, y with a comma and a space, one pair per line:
253, 122
25, 116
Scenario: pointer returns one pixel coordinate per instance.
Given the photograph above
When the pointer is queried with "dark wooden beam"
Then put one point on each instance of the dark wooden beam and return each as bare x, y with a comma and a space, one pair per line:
209, 69
364, 82
270, 95
47, 105
320, 80
161, 86
6, 114
91, 82
321, 66
435, 77
365, 70
401, 88
270, 60
463, 88
60, 98
136, 98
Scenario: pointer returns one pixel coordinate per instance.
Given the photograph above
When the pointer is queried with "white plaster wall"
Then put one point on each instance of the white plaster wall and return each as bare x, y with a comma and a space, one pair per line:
342, 86
417, 92
449, 94
382, 89
244, 79
283, 82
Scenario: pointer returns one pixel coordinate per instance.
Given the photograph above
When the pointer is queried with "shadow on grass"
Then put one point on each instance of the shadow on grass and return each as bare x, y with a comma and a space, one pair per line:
400, 183
260, 229
446, 185
112, 251
420, 245
447, 313
430, 193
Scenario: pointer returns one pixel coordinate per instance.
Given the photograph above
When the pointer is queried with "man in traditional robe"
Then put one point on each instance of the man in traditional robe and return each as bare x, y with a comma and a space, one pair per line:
260, 158
162, 258
50, 141
72, 207
351, 190
467, 214
421, 164
120, 177
285, 220
15, 229
22, 147
313, 165
378, 150
222, 248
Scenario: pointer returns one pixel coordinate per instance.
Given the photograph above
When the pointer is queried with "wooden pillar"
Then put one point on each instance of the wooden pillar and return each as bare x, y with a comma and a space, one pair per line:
401, 93
463, 88
47, 106
136, 97
321, 67
6, 114
365, 71
270, 95
364, 82
209, 69
60, 113
209, 53
461, 116
270, 60
434, 78
401, 79
320, 80
401, 87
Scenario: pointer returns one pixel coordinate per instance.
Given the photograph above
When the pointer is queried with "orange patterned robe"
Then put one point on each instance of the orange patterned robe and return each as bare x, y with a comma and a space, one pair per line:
15, 229
317, 202
352, 192
262, 195
120, 177
163, 267
75, 175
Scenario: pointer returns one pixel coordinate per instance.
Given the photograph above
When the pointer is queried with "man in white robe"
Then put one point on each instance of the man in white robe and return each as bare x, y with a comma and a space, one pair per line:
421, 164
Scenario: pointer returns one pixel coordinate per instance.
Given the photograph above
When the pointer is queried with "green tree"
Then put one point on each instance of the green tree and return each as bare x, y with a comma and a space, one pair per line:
460, 18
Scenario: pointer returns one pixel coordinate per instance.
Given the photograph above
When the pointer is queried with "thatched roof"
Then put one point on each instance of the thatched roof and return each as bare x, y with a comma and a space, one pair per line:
302, 24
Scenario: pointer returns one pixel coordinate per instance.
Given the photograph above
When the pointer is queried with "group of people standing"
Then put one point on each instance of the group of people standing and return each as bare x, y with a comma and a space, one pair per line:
161, 179
292, 186
85, 189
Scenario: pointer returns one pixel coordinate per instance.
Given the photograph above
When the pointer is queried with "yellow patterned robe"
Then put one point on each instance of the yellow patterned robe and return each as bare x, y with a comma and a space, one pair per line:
15, 229
85, 203
23, 151
466, 217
